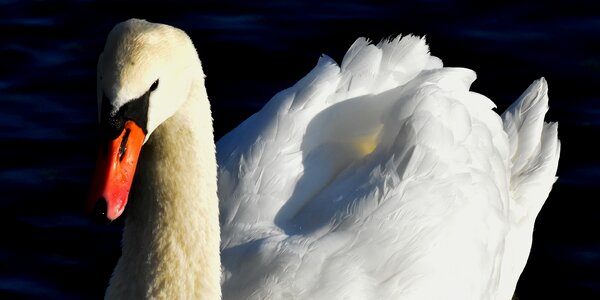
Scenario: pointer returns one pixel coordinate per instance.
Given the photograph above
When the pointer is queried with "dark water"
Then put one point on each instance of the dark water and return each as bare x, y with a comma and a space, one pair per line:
48, 52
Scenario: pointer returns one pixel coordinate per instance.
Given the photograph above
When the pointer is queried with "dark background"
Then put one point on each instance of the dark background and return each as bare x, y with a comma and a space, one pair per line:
250, 51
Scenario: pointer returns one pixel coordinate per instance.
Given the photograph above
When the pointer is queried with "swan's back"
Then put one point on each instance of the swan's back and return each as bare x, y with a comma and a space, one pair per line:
383, 178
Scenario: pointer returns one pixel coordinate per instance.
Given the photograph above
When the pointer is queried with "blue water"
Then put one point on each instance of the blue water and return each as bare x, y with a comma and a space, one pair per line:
250, 51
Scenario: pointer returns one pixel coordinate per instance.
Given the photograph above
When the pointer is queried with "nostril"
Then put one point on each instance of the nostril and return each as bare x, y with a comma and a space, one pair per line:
99, 211
123, 146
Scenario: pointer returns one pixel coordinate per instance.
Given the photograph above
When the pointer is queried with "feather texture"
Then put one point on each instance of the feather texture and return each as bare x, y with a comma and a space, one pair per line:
383, 178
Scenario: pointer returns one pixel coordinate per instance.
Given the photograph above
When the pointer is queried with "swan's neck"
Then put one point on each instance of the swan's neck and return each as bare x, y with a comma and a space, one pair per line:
171, 237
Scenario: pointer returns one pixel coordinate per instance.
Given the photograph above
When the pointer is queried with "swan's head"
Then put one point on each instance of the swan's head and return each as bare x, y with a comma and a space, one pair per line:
144, 76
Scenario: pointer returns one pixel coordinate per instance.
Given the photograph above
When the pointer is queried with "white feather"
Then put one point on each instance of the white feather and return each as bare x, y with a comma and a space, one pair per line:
426, 212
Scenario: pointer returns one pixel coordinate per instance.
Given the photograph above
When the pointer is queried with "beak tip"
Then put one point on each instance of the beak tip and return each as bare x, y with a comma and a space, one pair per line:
99, 212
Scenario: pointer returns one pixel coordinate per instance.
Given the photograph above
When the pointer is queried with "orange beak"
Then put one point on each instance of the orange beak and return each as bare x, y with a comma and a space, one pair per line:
115, 167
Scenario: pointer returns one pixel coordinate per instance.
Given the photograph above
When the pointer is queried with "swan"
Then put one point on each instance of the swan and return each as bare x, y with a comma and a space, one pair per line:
382, 177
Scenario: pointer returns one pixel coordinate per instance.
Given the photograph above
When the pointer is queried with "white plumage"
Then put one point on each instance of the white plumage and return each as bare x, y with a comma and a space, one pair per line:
381, 178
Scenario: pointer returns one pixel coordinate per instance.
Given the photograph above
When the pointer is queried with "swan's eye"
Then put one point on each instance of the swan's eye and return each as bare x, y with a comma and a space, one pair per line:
154, 86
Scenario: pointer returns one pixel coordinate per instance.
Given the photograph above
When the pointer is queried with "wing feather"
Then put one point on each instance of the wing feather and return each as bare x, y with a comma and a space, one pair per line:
383, 178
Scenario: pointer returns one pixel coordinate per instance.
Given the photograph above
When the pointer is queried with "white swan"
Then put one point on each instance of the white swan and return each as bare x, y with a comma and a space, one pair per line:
381, 178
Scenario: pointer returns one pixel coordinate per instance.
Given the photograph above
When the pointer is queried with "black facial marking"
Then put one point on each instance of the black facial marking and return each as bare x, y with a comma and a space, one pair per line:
135, 110
154, 86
